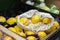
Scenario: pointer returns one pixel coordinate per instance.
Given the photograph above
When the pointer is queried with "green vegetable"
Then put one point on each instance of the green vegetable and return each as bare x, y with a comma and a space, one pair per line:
43, 6
36, 2
54, 9
52, 6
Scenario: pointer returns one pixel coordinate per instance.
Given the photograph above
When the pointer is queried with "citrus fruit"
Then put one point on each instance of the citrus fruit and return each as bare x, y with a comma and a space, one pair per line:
22, 34
24, 21
35, 19
8, 38
11, 21
29, 32
51, 29
41, 34
46, 20
18, 28
16, 17
56, 24
12, 29
2, 19
31, 38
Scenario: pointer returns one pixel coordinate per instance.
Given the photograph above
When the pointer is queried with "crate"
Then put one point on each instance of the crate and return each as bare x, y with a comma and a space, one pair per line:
20, 8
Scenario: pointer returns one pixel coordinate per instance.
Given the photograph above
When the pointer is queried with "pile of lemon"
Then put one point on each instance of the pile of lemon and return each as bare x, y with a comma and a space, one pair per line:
16, 29
35, 19
28, 34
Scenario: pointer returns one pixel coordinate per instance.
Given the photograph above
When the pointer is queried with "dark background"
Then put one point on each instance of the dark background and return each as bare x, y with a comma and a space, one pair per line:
5, 4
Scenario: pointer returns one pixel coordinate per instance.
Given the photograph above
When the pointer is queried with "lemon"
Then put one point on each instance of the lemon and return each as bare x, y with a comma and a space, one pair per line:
41, 34
16, 17
31, 38
18, 28
12, 29
56, 24
35, 19
51, 29
24, 21
8, 38
29, 32
22, 34
11, 21
46, 20
2, 19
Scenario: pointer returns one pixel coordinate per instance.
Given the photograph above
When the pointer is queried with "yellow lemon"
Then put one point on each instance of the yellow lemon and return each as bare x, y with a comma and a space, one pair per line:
29, 32
12, 29
35, 19
56, 24
8, 38
51, 29
16, 17
22, 34
18, 28
11, 21
24, 21
31, 38
2, 19
46, 20
41, 34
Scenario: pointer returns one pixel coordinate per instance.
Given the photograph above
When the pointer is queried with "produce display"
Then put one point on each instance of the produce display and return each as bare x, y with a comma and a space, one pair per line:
4, 36
32, 33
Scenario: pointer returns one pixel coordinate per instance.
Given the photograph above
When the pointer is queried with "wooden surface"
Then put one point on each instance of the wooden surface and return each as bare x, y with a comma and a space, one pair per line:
10, 33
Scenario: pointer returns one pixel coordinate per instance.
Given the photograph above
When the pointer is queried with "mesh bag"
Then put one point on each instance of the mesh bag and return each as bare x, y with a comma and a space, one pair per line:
38, 26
